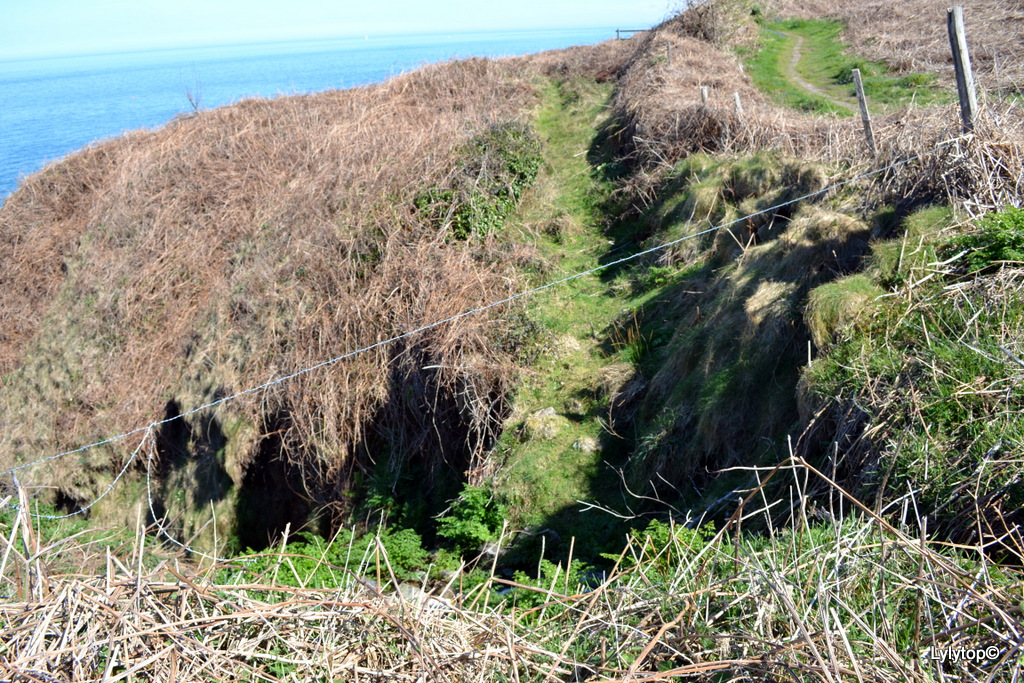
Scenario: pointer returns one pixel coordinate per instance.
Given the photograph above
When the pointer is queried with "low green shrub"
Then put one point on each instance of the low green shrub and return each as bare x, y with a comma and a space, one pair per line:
491, 173
474, 518
552, 578
999, 237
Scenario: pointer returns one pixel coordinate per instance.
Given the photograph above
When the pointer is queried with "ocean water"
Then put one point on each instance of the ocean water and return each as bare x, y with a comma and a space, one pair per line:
51, 107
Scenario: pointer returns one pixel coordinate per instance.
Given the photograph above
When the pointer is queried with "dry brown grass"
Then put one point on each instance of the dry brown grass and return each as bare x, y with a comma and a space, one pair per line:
912, 37
601, 62
821, 603
165, 269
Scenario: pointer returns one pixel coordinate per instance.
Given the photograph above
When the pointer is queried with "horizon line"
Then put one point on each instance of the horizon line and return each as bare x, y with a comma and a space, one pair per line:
284, 41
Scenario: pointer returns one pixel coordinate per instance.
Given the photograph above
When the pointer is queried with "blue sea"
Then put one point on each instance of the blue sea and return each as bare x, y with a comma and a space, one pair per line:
50, 107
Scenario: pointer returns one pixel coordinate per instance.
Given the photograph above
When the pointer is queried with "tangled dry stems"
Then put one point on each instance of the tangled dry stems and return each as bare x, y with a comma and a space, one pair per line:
830, 603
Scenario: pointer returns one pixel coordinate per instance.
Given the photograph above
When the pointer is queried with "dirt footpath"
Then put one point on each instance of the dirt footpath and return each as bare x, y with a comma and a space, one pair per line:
793, 75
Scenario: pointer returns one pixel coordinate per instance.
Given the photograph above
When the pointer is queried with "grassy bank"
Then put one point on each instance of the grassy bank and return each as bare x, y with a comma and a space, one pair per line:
922, 352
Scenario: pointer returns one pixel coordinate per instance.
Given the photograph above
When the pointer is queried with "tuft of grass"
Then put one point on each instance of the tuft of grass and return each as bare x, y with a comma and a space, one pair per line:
892, 260
836, 308
753, 176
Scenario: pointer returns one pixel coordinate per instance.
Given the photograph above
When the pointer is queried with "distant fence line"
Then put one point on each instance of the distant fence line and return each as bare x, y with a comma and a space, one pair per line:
630, 31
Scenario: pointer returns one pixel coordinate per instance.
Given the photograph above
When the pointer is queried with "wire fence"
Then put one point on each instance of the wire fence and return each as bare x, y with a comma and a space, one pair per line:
149, 430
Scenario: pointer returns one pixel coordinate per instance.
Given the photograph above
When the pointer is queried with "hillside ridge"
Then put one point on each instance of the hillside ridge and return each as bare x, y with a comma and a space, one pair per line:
776, 378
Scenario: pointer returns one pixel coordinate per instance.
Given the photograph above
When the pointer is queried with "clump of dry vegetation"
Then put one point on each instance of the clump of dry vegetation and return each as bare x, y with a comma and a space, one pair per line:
830, 602
601, 62
167, 269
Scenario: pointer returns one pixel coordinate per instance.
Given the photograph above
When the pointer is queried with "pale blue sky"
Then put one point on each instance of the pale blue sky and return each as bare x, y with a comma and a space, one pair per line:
41, 28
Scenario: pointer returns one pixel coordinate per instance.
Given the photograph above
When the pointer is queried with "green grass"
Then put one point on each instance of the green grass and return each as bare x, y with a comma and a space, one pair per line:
827, 63
596, 342
835, 308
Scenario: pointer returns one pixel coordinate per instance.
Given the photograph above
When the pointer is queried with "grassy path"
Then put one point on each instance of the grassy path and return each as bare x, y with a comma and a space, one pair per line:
793, 73
557, 447
803, 64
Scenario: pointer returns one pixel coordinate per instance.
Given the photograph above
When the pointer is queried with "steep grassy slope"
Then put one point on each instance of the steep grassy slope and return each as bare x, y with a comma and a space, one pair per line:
919, 390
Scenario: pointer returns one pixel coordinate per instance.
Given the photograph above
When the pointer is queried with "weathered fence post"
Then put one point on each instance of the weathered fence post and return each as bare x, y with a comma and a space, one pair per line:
962, 66
668, 53
864, 116
704, 94
739, 106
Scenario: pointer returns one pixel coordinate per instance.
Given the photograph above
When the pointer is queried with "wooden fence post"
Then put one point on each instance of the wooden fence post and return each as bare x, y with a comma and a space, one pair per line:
704, 94
739, 105
962, 66
864, 116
